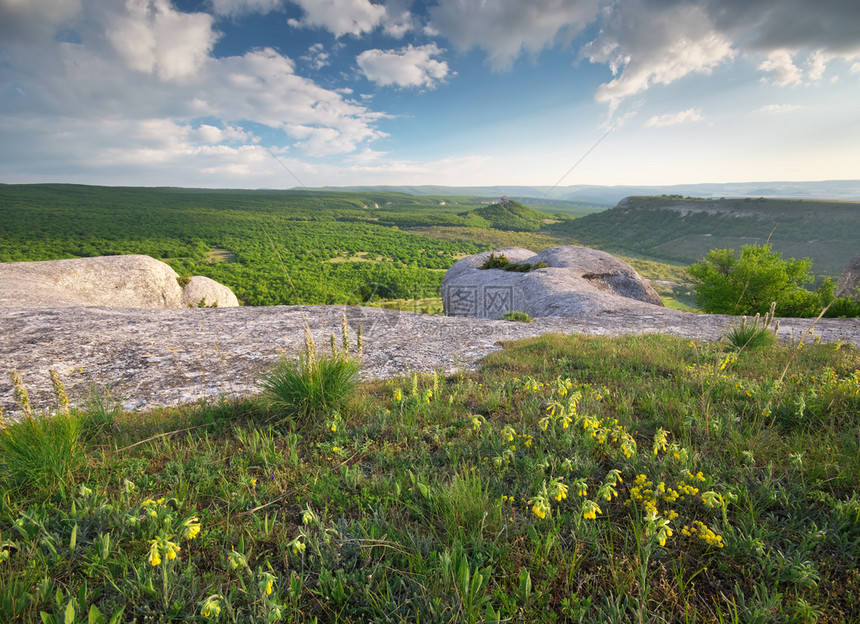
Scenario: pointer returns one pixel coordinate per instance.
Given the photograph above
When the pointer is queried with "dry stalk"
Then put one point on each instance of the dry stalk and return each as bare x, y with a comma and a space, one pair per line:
59, 392
21, 396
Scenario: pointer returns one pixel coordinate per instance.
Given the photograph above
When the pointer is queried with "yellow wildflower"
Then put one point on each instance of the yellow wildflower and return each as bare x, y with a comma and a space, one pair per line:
172, 550
590, 509
154, 555
191, 528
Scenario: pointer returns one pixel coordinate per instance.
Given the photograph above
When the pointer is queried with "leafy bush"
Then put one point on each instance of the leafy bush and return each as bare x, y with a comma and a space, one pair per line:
843, 307
515, 315
748, 284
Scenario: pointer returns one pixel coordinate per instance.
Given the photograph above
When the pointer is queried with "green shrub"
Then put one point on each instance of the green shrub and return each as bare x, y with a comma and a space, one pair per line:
843, 307
502, 262
310, 385
515, 315
726, 284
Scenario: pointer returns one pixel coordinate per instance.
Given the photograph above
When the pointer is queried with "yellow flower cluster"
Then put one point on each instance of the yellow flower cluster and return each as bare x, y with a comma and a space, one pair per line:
267, 583
590, 509
190, 528
162, 545
560, 491
703, 532
532, 385
540, 506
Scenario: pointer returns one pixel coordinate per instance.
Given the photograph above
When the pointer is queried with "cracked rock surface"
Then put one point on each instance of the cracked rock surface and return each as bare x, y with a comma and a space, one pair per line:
166, 357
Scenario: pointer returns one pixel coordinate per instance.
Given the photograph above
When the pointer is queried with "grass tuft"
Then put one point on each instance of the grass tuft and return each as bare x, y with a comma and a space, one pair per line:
316, 382
42, 452
755, 335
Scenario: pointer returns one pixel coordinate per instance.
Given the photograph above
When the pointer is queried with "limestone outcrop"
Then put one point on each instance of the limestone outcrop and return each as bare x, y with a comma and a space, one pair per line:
129, 281
576, 281
849, 282
205, 292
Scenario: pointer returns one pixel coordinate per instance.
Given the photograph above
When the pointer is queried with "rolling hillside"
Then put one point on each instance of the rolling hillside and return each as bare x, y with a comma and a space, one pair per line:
683, 230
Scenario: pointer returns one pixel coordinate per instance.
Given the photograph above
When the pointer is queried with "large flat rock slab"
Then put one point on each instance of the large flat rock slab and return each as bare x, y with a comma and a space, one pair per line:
167, 357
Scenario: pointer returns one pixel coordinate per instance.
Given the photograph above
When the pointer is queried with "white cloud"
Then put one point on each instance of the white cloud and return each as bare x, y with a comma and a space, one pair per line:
317, 57
657, 42
152, 37
129, 94
818, 64
341, 17
778, 109
407, 67
675, 119
783, 72
506, 28
645, 45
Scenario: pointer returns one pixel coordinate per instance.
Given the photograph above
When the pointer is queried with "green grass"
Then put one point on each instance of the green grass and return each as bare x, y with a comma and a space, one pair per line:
514, 315
421, 499
316, 384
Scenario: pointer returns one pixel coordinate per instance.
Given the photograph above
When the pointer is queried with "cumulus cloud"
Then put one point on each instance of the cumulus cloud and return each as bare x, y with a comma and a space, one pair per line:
644, 44
781, 69
656, 42
675, 119
29, 18
152, 37
506, 28
407, 67
340, 17
317, 56
137, 85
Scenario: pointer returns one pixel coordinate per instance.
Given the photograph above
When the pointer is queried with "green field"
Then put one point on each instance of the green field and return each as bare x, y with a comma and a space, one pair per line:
270, 247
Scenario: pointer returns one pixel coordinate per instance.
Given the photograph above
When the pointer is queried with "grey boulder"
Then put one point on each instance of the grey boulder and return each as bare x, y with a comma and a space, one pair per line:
577, 281
128, 281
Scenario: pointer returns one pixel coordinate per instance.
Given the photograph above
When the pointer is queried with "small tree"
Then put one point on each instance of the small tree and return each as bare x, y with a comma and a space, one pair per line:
748, 284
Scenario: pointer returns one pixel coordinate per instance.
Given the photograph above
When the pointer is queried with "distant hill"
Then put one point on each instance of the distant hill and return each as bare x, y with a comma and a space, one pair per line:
606, 196
685, 229
512, 216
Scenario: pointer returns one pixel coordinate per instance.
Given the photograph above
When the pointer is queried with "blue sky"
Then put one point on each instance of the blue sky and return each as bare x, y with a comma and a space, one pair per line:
283, 93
